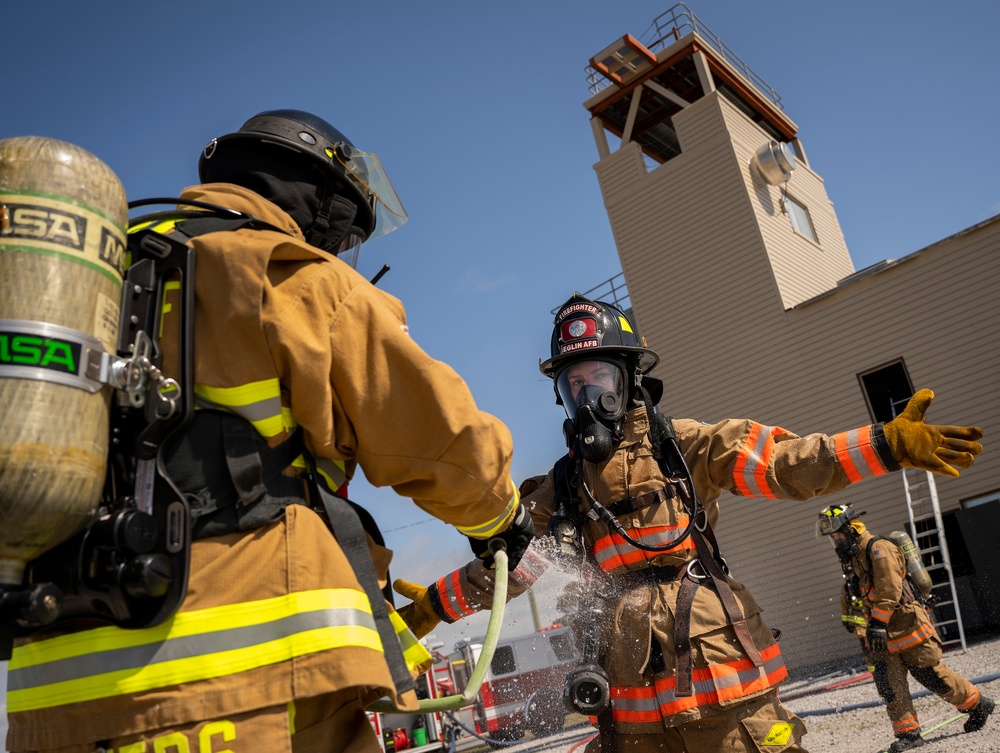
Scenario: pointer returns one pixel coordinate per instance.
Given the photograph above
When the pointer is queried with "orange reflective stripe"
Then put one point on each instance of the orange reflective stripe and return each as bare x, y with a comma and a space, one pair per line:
971, 700
459, 596
881, 615
754, 459
742, 458
613, 552
530, 568
906, 724
451, 597
922, 633
713, 684
857, 454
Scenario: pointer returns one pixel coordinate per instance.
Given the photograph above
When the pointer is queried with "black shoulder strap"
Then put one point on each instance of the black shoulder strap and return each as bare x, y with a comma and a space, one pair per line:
350, 534
566, 502
868, 552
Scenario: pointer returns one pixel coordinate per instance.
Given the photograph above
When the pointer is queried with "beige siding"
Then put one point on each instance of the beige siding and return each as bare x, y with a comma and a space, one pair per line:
713, 269
802, 269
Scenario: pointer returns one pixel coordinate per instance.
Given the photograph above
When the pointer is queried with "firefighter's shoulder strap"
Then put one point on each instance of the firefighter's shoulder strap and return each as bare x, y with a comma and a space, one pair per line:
350, 534
672, 464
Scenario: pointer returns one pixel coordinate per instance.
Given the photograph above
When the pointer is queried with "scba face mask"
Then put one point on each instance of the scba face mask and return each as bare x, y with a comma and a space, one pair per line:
594, 395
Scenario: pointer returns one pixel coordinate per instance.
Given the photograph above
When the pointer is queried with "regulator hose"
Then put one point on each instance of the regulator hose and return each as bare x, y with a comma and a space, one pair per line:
608, 517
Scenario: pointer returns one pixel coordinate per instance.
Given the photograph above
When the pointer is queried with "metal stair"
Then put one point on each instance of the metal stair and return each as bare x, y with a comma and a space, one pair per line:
927, 529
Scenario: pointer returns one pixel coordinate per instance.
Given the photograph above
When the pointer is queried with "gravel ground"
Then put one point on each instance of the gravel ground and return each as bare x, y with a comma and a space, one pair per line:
837, 726
833, 728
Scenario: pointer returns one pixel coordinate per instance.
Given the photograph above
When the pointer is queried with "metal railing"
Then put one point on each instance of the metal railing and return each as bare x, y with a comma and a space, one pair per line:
612, 290
667, 28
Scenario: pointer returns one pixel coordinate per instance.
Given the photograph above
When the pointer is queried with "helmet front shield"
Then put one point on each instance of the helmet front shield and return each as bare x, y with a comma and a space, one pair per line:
367, 171
827, 525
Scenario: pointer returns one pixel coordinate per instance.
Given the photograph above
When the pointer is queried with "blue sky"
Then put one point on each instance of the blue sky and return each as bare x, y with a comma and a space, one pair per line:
476, 111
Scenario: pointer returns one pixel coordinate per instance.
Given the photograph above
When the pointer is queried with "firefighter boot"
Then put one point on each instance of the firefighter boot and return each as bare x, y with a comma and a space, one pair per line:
906, 741
978, 714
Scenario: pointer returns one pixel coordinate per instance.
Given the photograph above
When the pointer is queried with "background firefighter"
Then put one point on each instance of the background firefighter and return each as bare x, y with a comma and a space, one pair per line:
690, 664
896, 631
303, 371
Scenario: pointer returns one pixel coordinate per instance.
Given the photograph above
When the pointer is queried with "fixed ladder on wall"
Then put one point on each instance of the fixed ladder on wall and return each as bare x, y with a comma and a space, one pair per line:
927, 529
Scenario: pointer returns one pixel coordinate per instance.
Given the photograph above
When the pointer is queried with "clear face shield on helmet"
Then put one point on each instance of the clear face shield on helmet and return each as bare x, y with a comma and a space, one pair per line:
350, 249
838, 531
828, 525
367, 171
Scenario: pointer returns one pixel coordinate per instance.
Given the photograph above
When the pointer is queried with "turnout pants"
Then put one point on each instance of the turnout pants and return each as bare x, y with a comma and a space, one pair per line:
923, 661
333, 723
762, 725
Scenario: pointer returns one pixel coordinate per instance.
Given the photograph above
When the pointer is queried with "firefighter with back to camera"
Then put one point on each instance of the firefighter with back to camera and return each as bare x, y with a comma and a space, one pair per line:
894, 628
303, 371
684, 662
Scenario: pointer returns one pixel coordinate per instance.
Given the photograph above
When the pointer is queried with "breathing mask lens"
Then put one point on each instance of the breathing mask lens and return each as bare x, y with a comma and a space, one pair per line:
598, 385
593, 394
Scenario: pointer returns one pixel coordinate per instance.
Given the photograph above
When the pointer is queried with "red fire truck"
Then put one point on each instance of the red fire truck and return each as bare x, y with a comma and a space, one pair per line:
523, 688
415, 733
522, 691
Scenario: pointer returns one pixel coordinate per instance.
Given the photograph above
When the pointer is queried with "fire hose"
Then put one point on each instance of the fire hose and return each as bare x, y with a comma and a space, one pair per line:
467, 696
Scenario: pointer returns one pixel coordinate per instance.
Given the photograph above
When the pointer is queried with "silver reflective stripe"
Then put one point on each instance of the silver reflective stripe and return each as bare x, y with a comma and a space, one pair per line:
259, 411
337, 475
188, 647
857, 454
754, 462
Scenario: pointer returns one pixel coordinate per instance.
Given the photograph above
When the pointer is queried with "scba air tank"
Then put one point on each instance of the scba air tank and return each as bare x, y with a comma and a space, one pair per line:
914, 565
63, 214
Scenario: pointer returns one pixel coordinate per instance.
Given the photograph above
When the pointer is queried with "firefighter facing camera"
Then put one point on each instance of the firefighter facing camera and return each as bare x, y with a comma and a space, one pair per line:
884, 605
303, 372
681, 649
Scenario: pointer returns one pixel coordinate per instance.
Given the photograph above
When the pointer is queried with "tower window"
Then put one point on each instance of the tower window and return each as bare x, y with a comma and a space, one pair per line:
799, 216
887, 390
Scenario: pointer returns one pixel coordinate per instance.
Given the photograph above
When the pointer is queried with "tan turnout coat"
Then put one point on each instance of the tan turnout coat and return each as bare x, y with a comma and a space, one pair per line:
740, 456
278, 314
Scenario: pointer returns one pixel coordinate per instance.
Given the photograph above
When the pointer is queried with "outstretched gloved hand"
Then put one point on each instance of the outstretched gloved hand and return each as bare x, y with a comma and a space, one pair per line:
516, 538
419, 616
930, 447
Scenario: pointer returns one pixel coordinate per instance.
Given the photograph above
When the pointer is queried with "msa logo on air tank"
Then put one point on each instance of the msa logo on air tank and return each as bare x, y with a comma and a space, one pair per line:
45, 224
33, 222
51, 353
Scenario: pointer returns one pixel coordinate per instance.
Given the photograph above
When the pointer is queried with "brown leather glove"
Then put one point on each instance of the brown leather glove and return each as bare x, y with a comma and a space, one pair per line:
419, 616
930, 447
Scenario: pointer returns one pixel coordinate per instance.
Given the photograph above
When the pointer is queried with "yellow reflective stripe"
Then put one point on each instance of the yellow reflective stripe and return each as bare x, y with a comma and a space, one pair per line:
166, 308
334, 472
414, 651
190, 646
163, 227
257, 402
485, 530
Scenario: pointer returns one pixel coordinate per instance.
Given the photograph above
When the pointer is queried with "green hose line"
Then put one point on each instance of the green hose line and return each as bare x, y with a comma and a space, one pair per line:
461, 700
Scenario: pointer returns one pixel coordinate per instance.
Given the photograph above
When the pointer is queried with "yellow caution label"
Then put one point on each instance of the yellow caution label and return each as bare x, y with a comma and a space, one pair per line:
779, 734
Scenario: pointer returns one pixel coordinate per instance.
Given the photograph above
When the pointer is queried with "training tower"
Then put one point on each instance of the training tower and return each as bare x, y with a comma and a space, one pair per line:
738, 274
